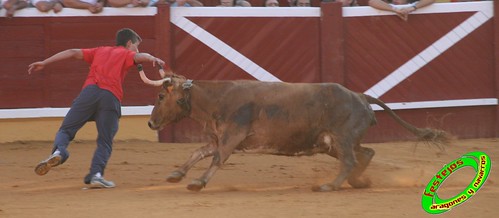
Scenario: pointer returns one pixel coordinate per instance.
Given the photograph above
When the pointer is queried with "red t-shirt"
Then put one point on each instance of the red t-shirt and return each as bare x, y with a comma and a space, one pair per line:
108, 67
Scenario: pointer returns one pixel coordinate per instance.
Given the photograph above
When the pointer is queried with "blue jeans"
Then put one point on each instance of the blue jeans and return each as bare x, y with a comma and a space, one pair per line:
93, 104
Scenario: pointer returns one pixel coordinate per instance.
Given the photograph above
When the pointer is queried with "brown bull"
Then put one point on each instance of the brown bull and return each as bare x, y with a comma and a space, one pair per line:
276, 118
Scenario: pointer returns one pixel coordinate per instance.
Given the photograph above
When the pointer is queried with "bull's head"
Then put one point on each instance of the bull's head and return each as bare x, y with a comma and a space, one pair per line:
173, 101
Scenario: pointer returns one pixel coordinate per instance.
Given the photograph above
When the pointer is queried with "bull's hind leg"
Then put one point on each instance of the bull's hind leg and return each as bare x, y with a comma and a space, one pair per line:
347, 163
364, 157
201, 153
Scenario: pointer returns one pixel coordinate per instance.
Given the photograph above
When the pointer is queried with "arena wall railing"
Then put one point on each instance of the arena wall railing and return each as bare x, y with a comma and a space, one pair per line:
436, 69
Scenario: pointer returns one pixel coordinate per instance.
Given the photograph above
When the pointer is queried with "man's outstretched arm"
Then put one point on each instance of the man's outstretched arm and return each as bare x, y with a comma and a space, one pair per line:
63, 55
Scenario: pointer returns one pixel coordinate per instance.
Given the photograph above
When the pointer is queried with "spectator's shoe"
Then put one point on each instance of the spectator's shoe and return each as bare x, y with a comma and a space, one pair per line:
100, 182
44, 167
87, 179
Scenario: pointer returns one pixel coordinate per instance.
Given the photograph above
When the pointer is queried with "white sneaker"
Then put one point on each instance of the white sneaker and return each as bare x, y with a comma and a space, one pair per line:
43, 167
101, 182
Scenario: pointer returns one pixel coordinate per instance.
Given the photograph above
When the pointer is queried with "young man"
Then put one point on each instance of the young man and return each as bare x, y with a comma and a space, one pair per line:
99, 100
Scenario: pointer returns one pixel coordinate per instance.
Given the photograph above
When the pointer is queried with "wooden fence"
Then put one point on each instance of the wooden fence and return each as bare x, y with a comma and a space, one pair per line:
437, 69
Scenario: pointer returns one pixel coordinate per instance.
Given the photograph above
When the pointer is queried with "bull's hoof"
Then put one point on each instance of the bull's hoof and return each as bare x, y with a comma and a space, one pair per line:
361, 182
325, 188
175, 177
196, 185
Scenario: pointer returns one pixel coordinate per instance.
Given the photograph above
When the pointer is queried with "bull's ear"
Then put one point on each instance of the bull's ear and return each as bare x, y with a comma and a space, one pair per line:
169, 89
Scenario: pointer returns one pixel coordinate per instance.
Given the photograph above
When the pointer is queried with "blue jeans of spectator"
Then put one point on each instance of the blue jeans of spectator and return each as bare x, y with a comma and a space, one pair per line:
92, 104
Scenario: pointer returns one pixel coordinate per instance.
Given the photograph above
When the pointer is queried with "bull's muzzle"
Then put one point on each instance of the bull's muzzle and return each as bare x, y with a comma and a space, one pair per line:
152, 125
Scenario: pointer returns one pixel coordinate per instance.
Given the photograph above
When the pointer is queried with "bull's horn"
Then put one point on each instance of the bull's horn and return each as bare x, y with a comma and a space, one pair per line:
161, 71
148, 81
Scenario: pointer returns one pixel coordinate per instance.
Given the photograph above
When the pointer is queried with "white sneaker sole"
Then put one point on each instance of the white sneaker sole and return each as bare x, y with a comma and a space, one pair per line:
100, 185
44, 167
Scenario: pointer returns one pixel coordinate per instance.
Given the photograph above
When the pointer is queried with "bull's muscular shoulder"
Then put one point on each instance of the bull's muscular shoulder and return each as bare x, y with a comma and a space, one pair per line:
244, 114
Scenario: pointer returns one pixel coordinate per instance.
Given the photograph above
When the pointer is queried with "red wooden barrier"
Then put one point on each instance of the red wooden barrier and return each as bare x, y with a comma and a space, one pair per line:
438, 69
496, 57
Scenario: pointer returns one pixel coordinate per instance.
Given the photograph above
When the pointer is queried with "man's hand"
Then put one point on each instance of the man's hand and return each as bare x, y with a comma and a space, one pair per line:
37, 66
403, 13
159, 62
97, 8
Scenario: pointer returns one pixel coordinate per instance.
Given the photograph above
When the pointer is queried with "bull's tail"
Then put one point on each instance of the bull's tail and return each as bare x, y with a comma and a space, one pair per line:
437, 137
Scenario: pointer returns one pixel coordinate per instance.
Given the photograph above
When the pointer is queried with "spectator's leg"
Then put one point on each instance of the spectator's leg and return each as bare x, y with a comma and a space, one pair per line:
106, 120
82, 110
118, 3
13, 5
44, 6
57, 7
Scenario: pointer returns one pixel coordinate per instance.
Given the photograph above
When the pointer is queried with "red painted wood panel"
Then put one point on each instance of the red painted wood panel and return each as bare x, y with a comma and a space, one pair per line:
275, 44
379, 45
463, 122
289, 48
496, 66
26, 40
465, 71
99, 28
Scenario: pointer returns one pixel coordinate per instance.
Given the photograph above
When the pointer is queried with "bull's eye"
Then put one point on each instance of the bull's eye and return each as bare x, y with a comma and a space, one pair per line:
161, 96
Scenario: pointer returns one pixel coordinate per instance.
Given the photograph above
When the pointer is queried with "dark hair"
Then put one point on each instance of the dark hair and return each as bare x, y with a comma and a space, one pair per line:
126, 34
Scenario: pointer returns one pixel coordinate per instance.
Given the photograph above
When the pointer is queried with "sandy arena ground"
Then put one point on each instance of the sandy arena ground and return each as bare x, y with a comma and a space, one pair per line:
249, 185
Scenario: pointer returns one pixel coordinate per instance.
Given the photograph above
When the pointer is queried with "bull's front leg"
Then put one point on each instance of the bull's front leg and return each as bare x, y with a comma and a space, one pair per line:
225, 149
201, 153
200, 183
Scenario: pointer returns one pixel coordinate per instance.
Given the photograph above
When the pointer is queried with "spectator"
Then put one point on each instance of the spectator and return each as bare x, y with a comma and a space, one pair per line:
185, 3
402, 11
242, 3
226, 3
11, 6
234, 3
348, 3
271, 3
127, 3
303, 3
94, 6
47, 5
400, 2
